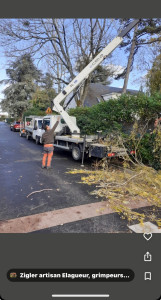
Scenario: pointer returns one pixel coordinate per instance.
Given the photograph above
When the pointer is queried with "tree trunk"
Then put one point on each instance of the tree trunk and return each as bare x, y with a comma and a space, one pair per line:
80, 98
85, 91
130, 61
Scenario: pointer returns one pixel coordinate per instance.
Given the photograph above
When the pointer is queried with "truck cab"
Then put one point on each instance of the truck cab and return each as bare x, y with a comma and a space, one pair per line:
37, 128
32, 128
62, 128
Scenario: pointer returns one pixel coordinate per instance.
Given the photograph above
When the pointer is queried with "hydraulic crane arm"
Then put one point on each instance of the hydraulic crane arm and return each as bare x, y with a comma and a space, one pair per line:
84, 74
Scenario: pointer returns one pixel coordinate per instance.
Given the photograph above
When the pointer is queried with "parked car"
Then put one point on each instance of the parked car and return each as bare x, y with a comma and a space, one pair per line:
16, 126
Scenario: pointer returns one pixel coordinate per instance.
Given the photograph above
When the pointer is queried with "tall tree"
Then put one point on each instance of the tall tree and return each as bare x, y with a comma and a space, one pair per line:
61, 41
48, 83
44, 93
147, 32
130, 60
23, 78
154, 76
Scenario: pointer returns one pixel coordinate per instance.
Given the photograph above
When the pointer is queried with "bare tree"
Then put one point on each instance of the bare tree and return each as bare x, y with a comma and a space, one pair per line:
67, 44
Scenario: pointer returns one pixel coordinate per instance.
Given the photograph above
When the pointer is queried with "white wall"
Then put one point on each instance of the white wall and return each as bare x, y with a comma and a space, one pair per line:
111, 96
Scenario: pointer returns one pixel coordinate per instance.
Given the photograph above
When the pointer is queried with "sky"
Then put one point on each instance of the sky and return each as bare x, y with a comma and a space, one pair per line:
119, 58
116, 83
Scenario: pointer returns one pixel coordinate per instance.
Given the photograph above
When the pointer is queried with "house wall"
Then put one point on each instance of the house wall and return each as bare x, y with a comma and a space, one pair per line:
110, 96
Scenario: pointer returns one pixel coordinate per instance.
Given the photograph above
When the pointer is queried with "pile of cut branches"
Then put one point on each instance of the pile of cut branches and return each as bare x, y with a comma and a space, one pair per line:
124, 188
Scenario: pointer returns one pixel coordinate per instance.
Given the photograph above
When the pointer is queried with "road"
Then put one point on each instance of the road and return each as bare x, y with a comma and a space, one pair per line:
67, 205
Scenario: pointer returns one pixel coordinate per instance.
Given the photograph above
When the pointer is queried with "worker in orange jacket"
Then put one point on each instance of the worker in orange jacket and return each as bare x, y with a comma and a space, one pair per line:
48, 141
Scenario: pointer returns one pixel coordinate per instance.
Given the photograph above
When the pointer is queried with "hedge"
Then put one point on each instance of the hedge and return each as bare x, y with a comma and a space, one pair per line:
120, 115
117, 113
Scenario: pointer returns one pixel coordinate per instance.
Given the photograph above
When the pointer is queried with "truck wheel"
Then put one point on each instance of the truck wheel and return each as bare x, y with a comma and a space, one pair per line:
37, 140
76, 153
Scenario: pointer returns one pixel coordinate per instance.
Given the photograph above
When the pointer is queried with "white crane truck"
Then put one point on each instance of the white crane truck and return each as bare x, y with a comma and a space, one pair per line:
68, 134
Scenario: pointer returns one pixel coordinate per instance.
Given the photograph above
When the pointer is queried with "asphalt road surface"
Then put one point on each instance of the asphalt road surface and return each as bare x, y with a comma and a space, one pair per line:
65, 205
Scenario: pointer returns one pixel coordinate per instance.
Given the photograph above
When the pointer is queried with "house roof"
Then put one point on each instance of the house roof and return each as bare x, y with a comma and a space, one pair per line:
97, 90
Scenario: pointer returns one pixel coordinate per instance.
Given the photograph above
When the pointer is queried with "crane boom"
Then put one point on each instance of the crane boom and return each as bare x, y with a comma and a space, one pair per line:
84, 74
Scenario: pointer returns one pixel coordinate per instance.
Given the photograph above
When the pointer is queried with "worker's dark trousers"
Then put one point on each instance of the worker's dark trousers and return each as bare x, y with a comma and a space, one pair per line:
48, 153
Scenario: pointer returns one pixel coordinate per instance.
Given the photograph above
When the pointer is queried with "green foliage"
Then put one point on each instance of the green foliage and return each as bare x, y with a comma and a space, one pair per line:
47, 85
150, 149
2, 118
40, 99
23, 92
146, 148
10, 120
23, 70
82, 115
128, 114
34, 111
23, 76
154, 76
102, 75
47, 81
115, 114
